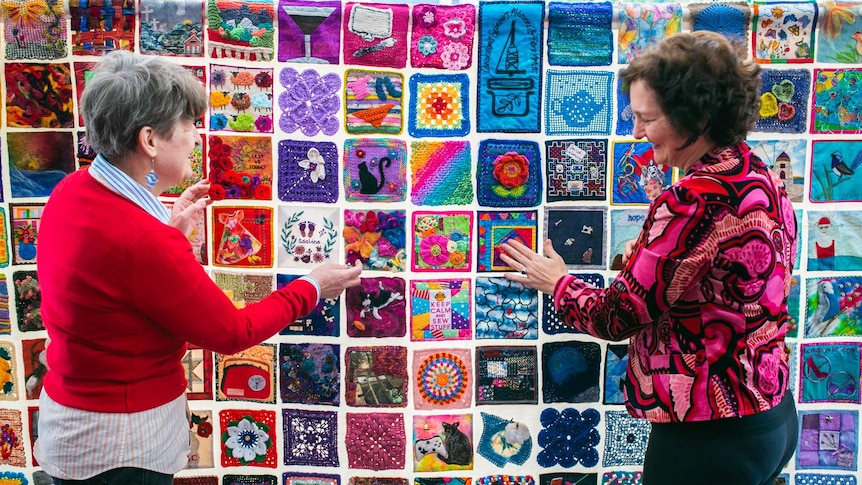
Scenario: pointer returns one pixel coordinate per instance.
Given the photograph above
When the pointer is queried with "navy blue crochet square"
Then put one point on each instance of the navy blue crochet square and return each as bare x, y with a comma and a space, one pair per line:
579, 103
551, 323
580, 34
439, 105
569, 438
728, 18
625, 116
307, 171
509, 174
784, 101
625, 439
570, 371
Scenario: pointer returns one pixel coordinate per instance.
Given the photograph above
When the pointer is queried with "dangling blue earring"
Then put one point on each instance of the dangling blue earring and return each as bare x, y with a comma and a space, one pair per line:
152, 178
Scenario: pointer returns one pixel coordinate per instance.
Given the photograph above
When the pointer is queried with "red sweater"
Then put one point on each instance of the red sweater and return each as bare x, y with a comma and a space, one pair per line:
122, 293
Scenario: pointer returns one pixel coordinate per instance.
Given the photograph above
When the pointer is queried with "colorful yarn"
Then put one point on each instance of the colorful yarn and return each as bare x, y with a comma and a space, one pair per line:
310, 102
576, 169
310, 437
578, 103
250, 480
41, 36
295, 478
442, 241
441, 173
238, 35
375, 170
623, 478
439, 105
569, 438
506, 480
376, 441
625, 439
784, 101
307, 171
443, 36
579, 34
509, 173
442, 378
374, 102
310, 373
213, 480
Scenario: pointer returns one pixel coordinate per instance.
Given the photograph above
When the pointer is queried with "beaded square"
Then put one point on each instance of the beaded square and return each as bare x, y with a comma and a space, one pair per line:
439, 105
377, 238
310, 437
28, 301
248, 438
827, 250
375, 34
830, 309
832, 165
578, 235
836, 37
618, 477
442, 240
241, 30
33, 354
570, 371
310, 102
99, 28
307, 237
729, 18
375, 170
374, 102
201, 440
442, 379
440, 310
24, 232
9, 389
787, 159
310, 373
579, 103
643, 24
443, 36
376, 376
636, 178
242, 236
250, 480
784, 101
442, 443
323, 320
625, 439
784, 32
837, 108
506, 309
12, 432
296, 478
626, 225
504, 441
309, 31
376, 308
307, 171
576, 169
568, 438
39, 36
616, 363
198, 369
38, 160
509, 173
551, 322
579, 34
376, 441
441, 173
240, 167
495, 228
241, 99
830, 372
248, 375
562, 478
828, 439
506, 375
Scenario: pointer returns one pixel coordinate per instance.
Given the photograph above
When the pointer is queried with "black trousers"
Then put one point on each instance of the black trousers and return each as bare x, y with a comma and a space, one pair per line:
747, 451
123, 476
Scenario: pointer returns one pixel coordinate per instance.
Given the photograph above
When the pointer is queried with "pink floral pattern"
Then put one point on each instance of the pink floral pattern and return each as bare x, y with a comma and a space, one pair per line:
451, 29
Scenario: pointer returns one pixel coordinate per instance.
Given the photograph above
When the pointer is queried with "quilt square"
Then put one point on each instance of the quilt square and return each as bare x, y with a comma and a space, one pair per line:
506, 375
33, 354
307, 237
618, 477
374, 102
376, 441
836, 38
375, 34
310, 102
34, 36
201, 440
242, 236
441, 173
504, 441
579, 33
830, 309
303, 167
172, 28
52, 109
442, 378
568, 478
296, 478
570, 371
828, 439
442, 240
439, 105
616, 363
576, 169
240, 167
241, 98
13, 433
625, 439
569, 437
579, 103
830, 372
310, 437
784, 101
376, 376
9, 374
309, 31
837, 108
626, 225
99, 28
324, 320
636, 177
310, 373
377, 238
248, 375
442, 36
28, 301
243, 288
643, 24
375, 170
826, 250
551, 322
442, 443
578, 235
787, 159
376, 308
506, 309
509, 90
495, 228
784, 32
198, 368
832, 165
509, 173
440, 310
729, 18
38, 160
241, 30
248, 439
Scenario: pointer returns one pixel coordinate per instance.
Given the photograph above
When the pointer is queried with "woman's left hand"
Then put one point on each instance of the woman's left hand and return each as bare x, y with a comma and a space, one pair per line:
535, 271
189, 208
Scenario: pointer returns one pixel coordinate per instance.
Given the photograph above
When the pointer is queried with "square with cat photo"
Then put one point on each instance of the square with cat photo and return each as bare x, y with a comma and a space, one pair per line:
442, 442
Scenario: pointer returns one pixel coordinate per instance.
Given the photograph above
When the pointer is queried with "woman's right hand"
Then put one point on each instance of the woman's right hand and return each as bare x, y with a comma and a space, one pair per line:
334, 278
627, 252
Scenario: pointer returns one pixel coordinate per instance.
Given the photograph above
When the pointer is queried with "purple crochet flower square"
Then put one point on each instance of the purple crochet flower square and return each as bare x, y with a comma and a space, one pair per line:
307, 171
376, 441
310, 437
310, 102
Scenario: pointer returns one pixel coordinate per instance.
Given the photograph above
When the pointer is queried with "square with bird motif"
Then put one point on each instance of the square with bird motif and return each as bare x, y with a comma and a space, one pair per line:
635, 177
784, 32
832, 307
833, 164
375, 170
830, 372
374, 102
242, 236
442, 442
839, 39
375, 34
578, 235
579, 103
241, 99
248, 375
377, 308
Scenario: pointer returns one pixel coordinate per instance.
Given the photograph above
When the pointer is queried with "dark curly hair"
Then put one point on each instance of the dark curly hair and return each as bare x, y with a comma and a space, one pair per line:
703, 83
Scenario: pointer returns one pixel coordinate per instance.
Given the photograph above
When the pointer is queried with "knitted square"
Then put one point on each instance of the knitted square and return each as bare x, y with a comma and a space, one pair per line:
625, 115
823, 479
243, 288
33, 353
240, 167
443, 379
643, 24
787, 159
207, 480
784, 101
250, 480
307, 171
439, 105
28, 301
310, 437
307, 237
442, 442
39, 36
201, 440
504, 441
579, 34
506, 309
4, 246
830, 372
242, 236
375, 34
636, 178
495, 228
309, 31
376, 308
828, 439
442, 241
310, 102
836, 101
578, 235
784, 31
509, 173
616, 363
12, 433
570, 371
253, 40
375, 441
441, 173
248, 438
626, 225
579, 103
198, 369
42, 160
98, 28
241, 98
625, 439
618, 477
377, 238
375, 170
576, 169
248, 375
836, 38
551, 322
443, 36
732, 19
324, 320
374, 102
559, 478
310, 373
440, 310
296, 478
376, 376
506, 375
569, 437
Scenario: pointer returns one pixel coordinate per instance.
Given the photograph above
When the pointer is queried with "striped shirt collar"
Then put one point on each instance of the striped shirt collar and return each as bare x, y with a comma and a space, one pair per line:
119, 182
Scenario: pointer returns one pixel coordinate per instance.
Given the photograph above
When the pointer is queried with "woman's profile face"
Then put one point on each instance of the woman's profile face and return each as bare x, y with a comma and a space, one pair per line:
654, 125
172, 162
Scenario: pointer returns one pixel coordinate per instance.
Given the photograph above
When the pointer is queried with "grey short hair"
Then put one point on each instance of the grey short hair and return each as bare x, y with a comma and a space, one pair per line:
128, 92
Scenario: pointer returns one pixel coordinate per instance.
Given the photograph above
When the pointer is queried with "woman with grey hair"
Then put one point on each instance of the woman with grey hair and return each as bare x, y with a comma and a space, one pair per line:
122, 292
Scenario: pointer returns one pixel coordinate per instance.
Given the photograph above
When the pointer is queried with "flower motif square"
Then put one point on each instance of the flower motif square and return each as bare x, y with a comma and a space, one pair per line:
307, 237
12, 438
568, 438
374, 102
576, 169
310, 373
307, 171
310, 437
377, 308
240, 167
443, 36
375, 441
506, 309
201, 440
310, 102
570, 371
324, 320
375, 170
579, 103
248, 438
509, 173
377, 238
241, 99
28, 302
442, 241
506, 374
443, 378
439, 105
24, 232
625, 439
441, 173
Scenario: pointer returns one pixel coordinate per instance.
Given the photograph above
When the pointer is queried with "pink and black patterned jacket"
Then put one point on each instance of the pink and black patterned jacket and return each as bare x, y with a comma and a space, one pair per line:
704, 295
